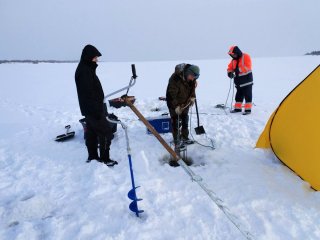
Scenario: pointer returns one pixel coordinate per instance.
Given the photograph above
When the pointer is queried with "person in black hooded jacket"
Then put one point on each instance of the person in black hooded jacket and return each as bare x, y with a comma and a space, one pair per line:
91, 96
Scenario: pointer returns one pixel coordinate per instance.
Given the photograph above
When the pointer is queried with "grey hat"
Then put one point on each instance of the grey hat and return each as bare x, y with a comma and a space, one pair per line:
194, 70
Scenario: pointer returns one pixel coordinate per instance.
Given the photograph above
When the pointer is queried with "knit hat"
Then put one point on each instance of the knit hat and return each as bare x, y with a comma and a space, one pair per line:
194, 70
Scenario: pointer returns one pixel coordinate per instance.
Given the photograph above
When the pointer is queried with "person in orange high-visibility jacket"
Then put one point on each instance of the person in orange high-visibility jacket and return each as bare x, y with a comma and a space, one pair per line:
240, 68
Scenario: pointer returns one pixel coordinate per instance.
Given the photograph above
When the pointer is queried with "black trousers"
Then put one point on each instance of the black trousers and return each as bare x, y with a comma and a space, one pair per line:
98, 131
244, 93
182, 124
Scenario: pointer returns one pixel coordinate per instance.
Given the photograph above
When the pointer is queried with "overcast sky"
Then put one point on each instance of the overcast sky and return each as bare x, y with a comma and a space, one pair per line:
126, 30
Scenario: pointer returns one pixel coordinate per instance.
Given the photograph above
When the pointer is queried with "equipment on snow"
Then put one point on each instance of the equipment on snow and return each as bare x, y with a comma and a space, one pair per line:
152, 130
118, 102
224, 106
66, 136
211, 146
220, 105
132, 195
199, 129
113, 126
131, 84
161, 124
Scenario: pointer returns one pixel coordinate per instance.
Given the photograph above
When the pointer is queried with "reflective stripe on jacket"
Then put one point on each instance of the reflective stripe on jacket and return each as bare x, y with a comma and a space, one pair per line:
244, 65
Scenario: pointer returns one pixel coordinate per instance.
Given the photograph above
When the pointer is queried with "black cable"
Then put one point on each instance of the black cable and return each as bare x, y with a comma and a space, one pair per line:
224, 106
212, 114
195, 141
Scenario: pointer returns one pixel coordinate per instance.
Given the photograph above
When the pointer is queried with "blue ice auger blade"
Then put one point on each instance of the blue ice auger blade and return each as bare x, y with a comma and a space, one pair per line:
132, 194
134, 204
134, 208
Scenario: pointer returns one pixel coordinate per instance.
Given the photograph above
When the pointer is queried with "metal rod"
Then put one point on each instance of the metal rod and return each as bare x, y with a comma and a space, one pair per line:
125, 128
131, 84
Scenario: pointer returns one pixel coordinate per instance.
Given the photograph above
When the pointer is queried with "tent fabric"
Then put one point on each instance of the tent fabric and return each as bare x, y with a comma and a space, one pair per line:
293, 130
263, 141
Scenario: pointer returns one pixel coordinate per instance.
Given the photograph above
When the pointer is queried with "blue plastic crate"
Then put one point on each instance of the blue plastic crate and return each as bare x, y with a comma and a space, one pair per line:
161, 124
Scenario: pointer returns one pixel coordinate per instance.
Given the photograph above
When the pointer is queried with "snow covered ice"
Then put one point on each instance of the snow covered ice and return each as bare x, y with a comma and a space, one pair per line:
48, 191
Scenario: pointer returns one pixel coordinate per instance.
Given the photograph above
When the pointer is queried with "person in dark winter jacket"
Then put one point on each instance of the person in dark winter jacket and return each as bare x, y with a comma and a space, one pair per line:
91, 97
240, 68
180, 96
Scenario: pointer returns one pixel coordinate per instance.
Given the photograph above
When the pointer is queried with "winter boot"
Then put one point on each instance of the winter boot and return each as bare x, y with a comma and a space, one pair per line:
105, 155
236, 110
247, 112
174, 163
187, 141
90, 158
110, 163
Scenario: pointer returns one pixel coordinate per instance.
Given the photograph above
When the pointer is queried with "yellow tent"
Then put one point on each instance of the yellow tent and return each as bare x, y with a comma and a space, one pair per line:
293, 130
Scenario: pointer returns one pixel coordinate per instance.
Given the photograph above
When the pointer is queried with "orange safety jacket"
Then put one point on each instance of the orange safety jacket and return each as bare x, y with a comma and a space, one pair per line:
244, 65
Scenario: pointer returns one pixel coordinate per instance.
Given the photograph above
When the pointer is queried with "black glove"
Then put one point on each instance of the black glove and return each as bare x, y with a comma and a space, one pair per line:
230, 74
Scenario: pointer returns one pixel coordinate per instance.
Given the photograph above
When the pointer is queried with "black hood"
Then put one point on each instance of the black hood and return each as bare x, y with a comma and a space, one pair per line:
236, 50
89, 52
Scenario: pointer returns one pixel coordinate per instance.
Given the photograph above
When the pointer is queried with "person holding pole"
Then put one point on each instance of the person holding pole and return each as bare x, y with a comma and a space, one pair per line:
240, 69
180, 96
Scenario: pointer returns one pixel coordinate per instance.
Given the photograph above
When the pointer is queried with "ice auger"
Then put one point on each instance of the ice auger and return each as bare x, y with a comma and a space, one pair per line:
132, 195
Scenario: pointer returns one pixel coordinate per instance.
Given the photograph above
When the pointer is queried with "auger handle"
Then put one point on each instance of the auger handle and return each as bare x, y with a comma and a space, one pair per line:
131, 84
133, 68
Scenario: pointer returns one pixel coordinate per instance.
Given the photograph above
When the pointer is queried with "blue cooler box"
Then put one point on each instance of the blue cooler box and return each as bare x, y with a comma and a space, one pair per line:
161, 124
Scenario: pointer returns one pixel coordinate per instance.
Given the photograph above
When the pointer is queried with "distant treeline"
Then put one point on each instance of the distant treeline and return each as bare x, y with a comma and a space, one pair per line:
313, 53
36, 61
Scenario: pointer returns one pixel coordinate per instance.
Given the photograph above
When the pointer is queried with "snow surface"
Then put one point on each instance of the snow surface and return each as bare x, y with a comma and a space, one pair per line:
48, 191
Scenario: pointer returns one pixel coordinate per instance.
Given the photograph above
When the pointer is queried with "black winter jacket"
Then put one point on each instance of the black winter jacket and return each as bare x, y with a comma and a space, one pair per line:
90, 92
